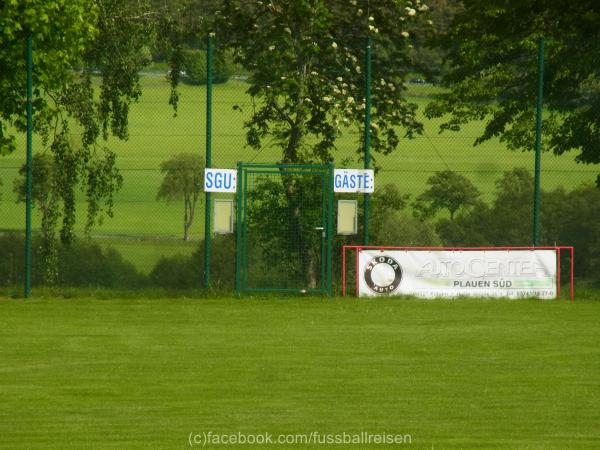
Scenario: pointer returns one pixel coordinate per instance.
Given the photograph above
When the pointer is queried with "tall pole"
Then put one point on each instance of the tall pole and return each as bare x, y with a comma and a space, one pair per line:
29, 181
367, 137
538, 144
207, 196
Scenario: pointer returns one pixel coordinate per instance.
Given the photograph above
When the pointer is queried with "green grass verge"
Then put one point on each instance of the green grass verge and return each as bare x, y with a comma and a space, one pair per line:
140, 373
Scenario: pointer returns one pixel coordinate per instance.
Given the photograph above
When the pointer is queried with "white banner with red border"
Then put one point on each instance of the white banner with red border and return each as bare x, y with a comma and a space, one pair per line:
456, 273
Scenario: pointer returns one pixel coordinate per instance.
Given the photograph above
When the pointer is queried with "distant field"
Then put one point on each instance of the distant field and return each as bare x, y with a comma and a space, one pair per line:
137, 373
155, 135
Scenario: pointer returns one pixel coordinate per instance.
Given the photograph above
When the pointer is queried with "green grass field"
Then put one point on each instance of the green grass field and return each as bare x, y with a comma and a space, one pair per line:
155, 135
139, 373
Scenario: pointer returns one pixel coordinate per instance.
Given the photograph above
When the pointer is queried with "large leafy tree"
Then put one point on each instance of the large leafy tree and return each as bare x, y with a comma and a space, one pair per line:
492, 48
307, 65
429, 60
73, 40
60, 30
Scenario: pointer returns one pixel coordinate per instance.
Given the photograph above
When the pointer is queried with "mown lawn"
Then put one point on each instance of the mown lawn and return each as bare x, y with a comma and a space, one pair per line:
140, 373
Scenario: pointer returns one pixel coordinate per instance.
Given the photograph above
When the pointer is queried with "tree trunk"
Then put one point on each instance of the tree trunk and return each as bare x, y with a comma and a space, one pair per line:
301, 231
186, 225
294, 192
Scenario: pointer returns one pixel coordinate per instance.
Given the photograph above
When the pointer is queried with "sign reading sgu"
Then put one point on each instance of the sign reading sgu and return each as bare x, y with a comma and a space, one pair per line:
220, 180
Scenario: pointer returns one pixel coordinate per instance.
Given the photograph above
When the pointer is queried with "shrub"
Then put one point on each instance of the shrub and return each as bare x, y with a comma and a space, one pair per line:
12, 261
390, 224
80, 265
194, 65
402, 229
567, 218
86, 264
187, 272
580, 227
177, 272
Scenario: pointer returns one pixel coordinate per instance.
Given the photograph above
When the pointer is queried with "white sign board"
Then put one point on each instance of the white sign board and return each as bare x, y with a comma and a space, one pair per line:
220, 180
354, 180
453, 273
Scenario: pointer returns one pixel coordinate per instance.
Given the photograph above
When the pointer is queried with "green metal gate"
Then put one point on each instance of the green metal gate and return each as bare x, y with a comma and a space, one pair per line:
284, 228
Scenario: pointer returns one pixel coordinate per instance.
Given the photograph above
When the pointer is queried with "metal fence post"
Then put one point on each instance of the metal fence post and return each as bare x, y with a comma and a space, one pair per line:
207, 196
538, 144
239, 228
29, 183
330, 229
367, 136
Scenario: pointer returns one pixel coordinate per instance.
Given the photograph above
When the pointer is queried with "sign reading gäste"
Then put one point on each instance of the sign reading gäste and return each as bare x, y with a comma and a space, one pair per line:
452, 273
354, 180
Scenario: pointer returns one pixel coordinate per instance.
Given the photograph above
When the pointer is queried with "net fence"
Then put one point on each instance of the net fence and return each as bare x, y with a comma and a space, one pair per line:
435, 189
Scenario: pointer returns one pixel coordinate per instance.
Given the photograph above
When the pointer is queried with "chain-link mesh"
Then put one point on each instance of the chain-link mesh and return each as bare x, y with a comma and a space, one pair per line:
143, 245
286, 231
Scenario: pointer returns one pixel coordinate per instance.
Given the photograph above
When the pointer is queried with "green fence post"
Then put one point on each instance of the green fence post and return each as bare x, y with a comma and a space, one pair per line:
207, 196
538, 144
330, 219
29, 183
367, 137
239, 224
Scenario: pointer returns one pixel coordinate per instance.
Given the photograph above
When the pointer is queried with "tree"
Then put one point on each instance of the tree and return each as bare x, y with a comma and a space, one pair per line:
429, 59
447, 190
492, 48
306, 60
506, 222
512, 208
307, 65
45, 195
60, 34
391, 225
387, 199
108, 37
580, 227
184, 177
194, 66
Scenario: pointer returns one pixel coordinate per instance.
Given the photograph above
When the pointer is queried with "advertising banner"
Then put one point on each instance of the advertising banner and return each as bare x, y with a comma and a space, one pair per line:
453, 273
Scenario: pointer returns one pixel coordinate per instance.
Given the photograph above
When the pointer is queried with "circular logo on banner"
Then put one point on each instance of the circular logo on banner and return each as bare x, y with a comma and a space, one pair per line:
383, 274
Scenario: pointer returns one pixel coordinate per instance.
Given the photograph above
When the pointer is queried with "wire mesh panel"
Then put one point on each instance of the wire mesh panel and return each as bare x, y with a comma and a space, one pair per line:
284, 228
434, 189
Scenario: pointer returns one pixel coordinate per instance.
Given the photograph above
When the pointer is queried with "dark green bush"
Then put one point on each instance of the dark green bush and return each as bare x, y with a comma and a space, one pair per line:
12, 259
194, 66
88, 265
79, 265
567, 218
178, 272
187, 272
402, 229
391, 224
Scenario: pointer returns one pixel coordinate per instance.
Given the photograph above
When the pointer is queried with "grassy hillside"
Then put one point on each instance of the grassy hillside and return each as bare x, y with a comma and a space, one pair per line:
156, 135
